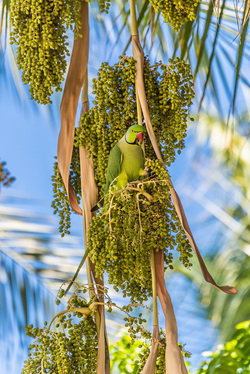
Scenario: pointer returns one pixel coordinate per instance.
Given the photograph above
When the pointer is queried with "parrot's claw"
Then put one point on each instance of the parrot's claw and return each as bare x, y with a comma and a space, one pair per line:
140, 191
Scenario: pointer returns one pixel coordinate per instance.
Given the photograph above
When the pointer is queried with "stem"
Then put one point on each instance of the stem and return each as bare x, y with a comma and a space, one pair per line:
85, 229
84, 311
85, 88
139, 213
141, 192
84, 99
134, 32
134, 28
78, 269
138, 105
155, 308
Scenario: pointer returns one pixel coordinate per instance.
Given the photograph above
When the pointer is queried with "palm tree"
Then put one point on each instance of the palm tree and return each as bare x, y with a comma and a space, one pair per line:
211, 28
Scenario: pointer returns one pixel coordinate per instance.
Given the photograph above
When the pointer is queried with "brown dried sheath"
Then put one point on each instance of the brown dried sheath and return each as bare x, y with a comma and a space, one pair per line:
139, 57
71, 93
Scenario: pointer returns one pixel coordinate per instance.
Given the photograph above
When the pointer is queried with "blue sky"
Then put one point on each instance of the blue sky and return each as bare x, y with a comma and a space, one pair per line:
28, 143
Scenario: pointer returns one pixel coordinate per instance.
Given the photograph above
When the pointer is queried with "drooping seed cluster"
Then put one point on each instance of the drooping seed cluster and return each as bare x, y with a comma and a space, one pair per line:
143, 356
121, 237
176, 12
169, 91
60, 204
160, 362
39, 31
5, 177
73, 350
104, 5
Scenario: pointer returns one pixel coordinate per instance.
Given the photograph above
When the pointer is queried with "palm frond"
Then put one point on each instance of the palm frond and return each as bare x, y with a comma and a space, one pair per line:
33, 242
212, 54
34, 261
24, 300
203, 37
245, 22
223, 310
228, 254
214, 23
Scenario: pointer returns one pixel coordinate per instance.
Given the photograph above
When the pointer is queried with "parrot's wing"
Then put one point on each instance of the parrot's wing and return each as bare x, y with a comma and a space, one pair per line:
114, 165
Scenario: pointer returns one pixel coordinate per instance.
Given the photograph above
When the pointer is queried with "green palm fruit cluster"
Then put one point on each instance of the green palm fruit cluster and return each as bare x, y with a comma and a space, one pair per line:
39, 31
5, 177
176, 12
169, 91
121, 237
160, 363
60, 203
104, 5
133, 351
73, 350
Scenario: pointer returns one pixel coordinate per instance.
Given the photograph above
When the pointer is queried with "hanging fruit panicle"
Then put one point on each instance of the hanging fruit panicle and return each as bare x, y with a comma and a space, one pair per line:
5, 178
60, 204
120, 239
71, 347
176, 12
169, 90
39, 31
104, 5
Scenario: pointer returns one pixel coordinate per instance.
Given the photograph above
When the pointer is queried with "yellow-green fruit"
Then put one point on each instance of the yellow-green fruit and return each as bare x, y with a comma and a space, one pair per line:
120, 239
39, 31
176, 12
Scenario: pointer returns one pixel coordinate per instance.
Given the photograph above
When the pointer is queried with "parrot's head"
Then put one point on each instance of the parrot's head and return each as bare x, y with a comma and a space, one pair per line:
135, 134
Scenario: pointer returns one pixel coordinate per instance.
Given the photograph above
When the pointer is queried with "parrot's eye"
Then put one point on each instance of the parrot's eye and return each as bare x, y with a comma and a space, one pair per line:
132, 130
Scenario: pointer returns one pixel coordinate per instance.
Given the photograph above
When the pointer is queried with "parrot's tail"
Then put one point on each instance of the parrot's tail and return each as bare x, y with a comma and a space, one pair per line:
98, 205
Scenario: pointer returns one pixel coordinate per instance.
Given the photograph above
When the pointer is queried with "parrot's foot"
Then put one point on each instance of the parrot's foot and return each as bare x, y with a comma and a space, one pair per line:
131, 183
129, 186
140, 191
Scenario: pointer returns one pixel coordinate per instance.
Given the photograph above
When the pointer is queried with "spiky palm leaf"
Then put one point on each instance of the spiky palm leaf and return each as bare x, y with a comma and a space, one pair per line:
229, 254
218, 37
34, 261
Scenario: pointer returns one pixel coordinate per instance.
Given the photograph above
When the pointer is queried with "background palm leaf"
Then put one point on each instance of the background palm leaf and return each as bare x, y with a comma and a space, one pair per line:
34, 261
228, 255
220, 26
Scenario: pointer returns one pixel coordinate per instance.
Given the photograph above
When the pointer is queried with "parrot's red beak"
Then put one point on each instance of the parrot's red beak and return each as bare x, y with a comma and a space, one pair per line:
140, 137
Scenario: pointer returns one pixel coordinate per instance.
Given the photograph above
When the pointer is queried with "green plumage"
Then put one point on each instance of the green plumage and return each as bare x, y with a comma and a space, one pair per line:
126, 158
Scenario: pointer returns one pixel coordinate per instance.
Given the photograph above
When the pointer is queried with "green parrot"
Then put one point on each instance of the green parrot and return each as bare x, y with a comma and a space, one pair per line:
126, 160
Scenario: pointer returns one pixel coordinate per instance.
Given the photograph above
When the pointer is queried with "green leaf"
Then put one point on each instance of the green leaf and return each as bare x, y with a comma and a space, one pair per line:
240, 53
212, 53
204, 36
